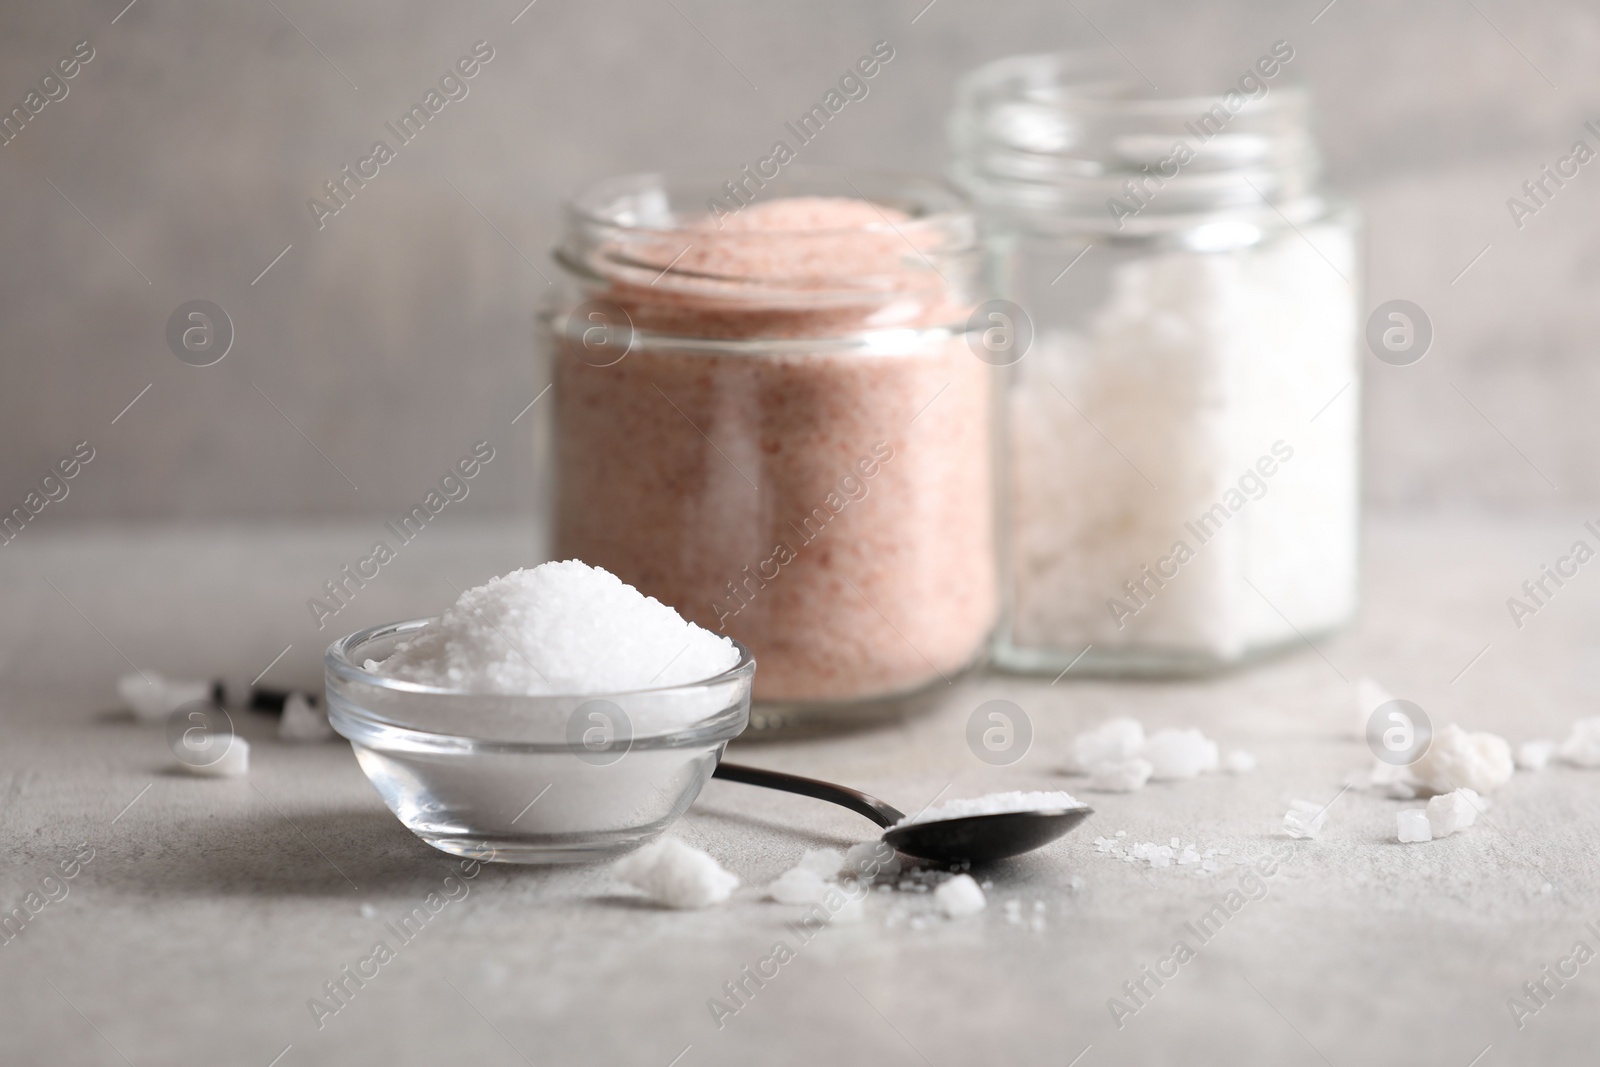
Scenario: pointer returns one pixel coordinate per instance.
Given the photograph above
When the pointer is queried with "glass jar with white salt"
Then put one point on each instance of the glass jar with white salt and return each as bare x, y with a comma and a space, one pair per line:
766, 414
1177, 478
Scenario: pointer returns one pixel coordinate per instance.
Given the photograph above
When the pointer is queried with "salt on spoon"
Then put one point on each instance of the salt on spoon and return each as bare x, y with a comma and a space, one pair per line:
959, 831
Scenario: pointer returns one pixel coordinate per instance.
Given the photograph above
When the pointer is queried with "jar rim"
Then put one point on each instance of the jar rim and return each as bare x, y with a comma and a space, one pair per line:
650, 202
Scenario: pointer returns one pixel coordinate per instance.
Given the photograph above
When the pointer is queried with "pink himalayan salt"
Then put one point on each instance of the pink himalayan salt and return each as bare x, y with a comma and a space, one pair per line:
862, 566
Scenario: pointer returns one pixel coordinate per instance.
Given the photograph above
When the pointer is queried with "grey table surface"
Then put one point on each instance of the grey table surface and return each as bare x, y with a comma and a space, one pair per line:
212, 911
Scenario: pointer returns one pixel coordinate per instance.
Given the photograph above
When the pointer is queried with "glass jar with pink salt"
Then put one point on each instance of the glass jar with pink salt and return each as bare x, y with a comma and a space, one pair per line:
767, 415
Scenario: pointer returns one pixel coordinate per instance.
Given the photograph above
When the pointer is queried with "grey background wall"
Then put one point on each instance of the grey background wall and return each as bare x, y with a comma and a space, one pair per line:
180, 162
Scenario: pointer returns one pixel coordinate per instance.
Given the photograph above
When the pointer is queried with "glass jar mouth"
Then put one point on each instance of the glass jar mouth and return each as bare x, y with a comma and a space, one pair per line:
809, 252
677, 202
1074, 134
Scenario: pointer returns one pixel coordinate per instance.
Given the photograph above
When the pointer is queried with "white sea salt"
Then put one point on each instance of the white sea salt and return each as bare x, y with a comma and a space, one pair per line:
1450, 812
1124, 776
871, 859
993, 804
233, 763
676, 875
798, 885
152, 698
959, 897
1239, 762
1179, 754
1113, 741
1182, 365
1304, 819
1582, 746
565, 628
1457, 759
1535, 755
826, 862
303, 722
1412, 825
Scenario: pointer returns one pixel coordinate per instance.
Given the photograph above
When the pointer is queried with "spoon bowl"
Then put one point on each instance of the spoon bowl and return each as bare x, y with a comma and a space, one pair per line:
984, 838
966, 839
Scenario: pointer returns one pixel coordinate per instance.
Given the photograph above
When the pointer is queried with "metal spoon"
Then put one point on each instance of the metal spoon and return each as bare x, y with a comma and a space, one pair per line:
970, 839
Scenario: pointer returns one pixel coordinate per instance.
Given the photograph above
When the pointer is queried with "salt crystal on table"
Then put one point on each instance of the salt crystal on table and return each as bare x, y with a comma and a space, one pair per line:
1125, 776
1457, 759
824, 861
1412, 825
233, 763
302, 722
676, 875
152, 698
872, 858
1582, 746
798, 886
959, 897
1304, 819
1535, 755
1113, 741
1239, 762
1179, 753
1451, 812
1077, 884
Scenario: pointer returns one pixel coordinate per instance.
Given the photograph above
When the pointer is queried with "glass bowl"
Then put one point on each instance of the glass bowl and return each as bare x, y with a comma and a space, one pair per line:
531, 779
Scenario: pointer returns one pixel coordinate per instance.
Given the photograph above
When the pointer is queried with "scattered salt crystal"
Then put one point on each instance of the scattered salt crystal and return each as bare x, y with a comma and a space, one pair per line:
1450, 812
1077, 884
798, 886
1113, 741
233, 763
1535, 755
1179, 753
1124, 776
302, 722
676, 875
993, 804
1122, 833
560, 627
1013, 912
1456, 760
872, 858
826, 862
1239, 762
959, 897
1412, 825
1582, 746
1547, 888
918, 922
152, 698
1304, 819
1152, 853
368, 911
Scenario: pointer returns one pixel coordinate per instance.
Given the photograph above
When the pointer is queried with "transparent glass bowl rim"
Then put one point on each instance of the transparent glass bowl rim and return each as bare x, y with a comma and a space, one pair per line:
340, 662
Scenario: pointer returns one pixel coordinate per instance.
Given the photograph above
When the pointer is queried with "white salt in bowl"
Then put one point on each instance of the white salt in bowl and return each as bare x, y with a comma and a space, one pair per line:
531, 779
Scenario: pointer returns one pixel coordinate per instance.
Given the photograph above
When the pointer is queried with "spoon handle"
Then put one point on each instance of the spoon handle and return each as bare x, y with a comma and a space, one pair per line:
884, 815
